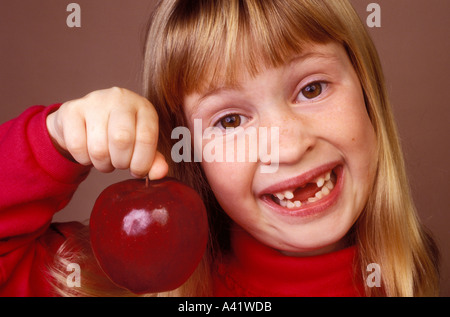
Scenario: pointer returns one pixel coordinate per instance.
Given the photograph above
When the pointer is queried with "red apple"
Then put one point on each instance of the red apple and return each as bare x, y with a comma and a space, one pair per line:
150, 237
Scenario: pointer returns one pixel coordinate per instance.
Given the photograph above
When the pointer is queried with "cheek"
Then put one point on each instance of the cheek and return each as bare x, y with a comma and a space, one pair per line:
351, 132
359, 146
363, 144
231, 184
228, 179
227, 166
350, 127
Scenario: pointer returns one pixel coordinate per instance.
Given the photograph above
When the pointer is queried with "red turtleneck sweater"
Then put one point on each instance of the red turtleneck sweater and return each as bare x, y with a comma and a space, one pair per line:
254, 269
36, 182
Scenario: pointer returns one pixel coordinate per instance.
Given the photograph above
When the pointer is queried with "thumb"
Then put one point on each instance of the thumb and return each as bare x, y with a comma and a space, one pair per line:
159, 168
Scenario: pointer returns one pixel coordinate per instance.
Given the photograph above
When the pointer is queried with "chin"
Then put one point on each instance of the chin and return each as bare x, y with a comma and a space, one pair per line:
308, 241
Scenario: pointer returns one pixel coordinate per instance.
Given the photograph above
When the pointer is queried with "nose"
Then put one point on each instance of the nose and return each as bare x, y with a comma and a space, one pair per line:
294, 138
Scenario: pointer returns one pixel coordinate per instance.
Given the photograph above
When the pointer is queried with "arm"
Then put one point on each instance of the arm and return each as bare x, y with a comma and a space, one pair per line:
36, 180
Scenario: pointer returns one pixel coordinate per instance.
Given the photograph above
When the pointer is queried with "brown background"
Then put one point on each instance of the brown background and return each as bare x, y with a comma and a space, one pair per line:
42, 61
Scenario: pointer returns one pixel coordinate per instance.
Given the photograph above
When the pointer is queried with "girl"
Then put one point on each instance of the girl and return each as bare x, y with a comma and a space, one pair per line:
337, 204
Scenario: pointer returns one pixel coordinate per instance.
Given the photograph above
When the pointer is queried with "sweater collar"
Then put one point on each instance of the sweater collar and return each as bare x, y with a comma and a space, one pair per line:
254, 269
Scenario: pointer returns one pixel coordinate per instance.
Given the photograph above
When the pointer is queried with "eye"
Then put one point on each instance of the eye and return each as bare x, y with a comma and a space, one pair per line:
230, 121
311, 91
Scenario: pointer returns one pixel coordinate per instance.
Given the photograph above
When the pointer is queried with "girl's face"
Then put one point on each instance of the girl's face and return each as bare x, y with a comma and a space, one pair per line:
326, 147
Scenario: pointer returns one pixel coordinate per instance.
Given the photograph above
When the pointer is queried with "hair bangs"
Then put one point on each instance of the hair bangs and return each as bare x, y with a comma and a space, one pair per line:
210, 44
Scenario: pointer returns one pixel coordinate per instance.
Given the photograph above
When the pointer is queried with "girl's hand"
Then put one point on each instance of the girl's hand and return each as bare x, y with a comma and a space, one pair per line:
110, 129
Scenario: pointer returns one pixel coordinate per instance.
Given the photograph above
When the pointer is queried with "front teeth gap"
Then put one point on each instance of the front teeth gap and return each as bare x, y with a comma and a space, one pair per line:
323, 182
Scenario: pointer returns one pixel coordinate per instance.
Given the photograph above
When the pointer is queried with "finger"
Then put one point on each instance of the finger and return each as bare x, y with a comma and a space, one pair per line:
146, 141
121, 137
74, 135
159, 168
97, 142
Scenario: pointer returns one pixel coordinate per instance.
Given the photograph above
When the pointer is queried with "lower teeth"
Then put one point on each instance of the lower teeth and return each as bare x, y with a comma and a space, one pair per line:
324, 191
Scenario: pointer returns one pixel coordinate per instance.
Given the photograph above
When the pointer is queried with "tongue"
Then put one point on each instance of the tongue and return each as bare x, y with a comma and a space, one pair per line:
302, 194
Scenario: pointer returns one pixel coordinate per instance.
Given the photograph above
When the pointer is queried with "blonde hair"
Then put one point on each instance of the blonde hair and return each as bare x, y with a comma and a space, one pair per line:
194, 45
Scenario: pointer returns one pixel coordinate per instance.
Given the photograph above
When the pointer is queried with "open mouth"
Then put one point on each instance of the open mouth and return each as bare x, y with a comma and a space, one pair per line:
308, 193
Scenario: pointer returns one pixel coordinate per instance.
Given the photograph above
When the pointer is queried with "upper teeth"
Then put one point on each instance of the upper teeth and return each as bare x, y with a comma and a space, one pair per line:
286, 196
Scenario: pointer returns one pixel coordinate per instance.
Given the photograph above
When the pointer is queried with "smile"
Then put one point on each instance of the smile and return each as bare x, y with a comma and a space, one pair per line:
310, 193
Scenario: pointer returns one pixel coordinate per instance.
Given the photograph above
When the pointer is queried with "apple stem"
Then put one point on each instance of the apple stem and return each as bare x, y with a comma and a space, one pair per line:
146, 182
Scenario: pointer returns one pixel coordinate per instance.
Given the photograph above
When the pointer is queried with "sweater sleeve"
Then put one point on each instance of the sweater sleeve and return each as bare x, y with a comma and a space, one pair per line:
36, 181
